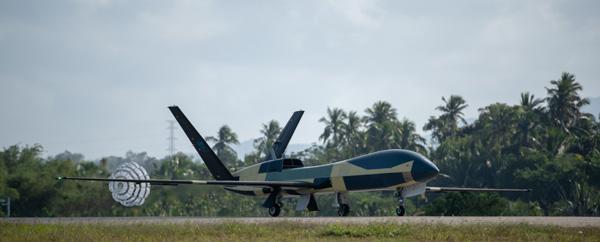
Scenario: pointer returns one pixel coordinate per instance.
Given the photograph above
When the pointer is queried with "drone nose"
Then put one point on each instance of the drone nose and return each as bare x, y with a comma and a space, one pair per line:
423, 170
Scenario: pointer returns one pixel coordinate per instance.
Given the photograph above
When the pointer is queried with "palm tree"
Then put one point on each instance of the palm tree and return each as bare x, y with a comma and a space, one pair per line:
380, 113
437, 127
406, 137
353, 137
269, 132
380, 120
530, 103
453, 110
499, 124
225, 137
564, 101
334, 124
530, 119
447, 123
586, 129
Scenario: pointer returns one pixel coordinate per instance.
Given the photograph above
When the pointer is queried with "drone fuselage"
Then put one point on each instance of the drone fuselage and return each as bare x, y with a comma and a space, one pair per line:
383, 170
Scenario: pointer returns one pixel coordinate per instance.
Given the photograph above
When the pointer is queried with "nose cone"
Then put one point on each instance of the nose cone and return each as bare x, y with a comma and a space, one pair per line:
423, 170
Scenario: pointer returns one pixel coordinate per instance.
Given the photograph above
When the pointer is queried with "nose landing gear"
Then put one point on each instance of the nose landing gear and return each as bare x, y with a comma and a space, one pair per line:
400, 210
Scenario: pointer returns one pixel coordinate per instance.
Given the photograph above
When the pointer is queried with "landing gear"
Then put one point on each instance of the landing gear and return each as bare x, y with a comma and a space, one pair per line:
273, 203
400, 210
275, 210
343, 210
343, 207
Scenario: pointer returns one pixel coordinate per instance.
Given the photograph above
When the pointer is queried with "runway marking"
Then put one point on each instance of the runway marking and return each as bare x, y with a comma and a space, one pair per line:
557, 221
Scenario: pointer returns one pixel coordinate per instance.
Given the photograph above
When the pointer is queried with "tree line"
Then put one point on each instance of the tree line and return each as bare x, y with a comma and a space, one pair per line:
545, 143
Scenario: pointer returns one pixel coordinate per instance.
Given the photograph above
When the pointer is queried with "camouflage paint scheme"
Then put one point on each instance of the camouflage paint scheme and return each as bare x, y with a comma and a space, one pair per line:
404, 171
383, 170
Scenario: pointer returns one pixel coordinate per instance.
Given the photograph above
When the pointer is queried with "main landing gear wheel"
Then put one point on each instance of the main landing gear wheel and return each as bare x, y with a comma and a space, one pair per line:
400, 211
343, 210
275, 210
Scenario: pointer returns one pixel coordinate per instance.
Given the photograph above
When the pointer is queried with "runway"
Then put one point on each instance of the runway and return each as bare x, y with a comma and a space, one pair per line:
556, 221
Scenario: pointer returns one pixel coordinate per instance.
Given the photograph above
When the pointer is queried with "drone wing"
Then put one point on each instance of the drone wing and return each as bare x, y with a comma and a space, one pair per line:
469, 189
167, 182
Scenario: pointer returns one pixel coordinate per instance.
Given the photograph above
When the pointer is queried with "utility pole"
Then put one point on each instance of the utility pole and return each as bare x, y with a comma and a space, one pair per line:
174, 160
171, 138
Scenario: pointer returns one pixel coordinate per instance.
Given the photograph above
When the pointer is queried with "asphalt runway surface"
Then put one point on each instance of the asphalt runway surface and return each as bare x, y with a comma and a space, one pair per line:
556, 221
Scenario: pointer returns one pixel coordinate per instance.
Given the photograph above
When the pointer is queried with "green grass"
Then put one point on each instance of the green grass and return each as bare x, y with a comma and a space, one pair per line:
292, 232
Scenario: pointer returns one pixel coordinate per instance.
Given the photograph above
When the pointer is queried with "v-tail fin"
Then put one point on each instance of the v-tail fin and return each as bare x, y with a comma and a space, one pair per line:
214, 165
284, 137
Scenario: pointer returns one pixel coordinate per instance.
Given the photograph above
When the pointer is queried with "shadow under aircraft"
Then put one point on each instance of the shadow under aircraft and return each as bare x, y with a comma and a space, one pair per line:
403, 171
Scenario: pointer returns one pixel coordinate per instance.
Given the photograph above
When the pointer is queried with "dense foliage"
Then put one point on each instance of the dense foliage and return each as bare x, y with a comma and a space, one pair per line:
547, 144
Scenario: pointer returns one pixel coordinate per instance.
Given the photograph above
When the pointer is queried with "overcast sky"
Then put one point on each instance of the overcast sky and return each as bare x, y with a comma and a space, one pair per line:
96, 77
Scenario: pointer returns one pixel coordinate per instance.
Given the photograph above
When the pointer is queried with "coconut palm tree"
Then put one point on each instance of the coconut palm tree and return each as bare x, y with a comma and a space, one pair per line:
269, 132
406, 137
334, 127
453, 110
586, 129
353, 136
447, 124
530, 121
437, 127
564, 101
380, 113
380, 121
225, 137
222, 144
530, 103
499, 123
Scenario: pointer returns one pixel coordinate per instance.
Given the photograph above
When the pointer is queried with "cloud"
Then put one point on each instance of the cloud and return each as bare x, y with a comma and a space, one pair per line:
183, 22
96, 76
361, 13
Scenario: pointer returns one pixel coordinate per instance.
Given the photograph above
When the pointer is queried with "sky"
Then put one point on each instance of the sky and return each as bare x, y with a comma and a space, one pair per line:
96, 76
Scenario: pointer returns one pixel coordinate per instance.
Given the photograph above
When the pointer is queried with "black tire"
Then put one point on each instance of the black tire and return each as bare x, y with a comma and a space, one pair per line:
400, 211
275, 210
343, 210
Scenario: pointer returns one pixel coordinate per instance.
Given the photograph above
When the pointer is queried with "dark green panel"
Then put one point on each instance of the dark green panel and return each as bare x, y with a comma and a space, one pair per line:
373, 181
384, 159
301, 173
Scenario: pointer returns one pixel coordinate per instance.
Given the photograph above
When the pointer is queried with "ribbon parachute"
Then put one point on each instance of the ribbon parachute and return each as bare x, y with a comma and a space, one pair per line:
130, 194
